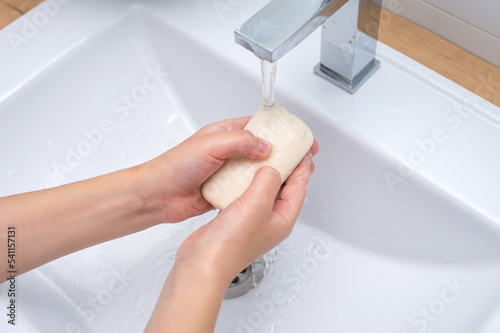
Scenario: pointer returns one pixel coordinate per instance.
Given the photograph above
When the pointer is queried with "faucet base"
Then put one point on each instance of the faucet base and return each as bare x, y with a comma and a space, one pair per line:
348, 85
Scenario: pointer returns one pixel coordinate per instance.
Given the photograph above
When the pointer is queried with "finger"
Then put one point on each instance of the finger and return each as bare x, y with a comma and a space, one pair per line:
287, 208
315, 148
223, 126
220, 146
245, 222
300, 176
261, 193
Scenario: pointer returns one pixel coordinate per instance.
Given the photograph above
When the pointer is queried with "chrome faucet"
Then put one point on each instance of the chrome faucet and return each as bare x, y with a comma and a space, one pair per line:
348, 42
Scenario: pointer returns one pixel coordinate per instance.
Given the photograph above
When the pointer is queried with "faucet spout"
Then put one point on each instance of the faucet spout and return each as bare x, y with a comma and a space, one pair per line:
349, 36
283, 24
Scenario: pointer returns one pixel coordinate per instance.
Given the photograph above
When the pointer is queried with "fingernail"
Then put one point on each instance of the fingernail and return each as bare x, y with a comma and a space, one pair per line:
264, 146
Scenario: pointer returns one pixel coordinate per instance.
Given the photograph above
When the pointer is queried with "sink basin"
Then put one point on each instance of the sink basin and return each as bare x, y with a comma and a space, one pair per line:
400, 231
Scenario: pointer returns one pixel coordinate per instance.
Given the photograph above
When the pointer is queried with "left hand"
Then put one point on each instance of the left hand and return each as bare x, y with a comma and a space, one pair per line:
171, 183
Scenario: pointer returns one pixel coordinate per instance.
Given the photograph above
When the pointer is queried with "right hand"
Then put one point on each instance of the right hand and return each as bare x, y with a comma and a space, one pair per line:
251, 225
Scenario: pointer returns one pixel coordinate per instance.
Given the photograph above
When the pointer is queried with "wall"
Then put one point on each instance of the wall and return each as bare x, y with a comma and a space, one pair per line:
471, 24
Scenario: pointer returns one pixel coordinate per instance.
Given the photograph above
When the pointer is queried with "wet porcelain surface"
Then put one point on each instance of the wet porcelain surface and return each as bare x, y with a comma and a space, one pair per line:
400, 231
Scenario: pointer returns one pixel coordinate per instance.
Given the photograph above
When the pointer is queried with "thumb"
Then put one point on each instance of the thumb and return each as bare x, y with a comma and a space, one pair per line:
259, 197
240, 142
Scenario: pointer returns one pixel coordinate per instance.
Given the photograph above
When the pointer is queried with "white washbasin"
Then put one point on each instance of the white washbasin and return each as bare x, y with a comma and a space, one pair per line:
378, 247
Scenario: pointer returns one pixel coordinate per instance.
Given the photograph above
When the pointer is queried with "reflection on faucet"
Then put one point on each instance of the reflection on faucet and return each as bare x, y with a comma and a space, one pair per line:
348, 43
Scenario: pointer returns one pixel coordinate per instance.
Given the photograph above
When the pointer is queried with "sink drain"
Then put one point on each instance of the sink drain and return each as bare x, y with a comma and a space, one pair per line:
246, 280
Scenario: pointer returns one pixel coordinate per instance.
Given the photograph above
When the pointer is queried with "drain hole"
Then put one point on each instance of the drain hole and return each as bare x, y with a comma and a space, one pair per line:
246, 280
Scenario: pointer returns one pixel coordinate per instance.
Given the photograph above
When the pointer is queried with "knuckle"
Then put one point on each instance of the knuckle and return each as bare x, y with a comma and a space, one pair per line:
250, 143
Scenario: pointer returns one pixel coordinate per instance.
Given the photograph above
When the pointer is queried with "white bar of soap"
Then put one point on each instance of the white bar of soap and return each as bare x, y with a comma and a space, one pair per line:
291, 139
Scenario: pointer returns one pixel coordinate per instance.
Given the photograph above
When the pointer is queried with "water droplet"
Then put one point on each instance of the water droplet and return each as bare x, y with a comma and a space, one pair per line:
49, 142
172, 117
10, 173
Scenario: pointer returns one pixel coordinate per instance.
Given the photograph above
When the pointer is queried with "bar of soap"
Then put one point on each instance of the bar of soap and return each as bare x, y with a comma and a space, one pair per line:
291, 139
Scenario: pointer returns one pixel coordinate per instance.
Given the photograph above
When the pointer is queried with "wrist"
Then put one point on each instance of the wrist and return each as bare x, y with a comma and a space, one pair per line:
191, 290
153, 199
211, 254
205, 274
